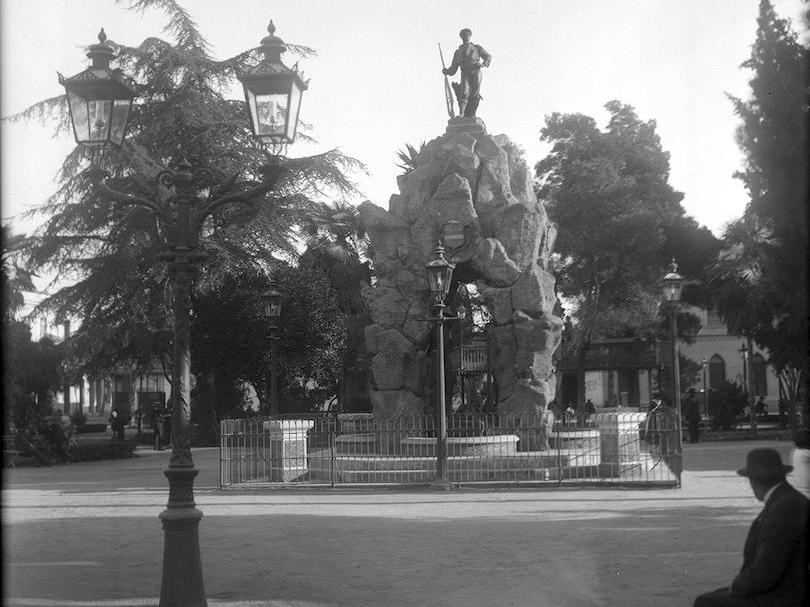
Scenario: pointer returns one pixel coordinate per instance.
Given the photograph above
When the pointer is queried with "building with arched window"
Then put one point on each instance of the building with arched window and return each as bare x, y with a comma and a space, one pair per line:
626, 372
723, 356
717, 371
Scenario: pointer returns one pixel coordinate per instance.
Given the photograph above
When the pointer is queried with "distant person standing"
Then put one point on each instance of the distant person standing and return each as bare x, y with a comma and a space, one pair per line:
116, 425
157, 425
692, 414
774, 569
761, 407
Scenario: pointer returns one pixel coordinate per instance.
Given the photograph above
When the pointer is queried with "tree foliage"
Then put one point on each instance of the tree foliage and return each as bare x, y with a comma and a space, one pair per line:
760, 279
619, 222
106, 256
338, 244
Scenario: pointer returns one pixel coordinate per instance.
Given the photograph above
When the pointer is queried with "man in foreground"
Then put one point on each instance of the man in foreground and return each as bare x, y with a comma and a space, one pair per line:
775, 555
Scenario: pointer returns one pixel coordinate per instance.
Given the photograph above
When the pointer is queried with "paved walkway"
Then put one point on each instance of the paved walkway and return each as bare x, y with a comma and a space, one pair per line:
88, 534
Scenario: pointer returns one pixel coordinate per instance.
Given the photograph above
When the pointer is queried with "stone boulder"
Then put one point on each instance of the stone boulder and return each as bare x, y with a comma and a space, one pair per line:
479, 186
397, 364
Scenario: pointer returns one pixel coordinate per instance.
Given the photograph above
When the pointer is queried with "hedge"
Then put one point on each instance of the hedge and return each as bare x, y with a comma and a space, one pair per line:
88, 428
99, 451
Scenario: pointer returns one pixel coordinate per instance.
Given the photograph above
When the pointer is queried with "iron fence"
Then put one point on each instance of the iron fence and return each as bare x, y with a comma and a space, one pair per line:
357, 449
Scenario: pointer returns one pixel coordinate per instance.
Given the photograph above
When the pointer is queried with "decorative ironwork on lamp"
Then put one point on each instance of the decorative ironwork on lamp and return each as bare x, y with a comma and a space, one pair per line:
440, 274
272, 302
99, 99
673, 284
273, 93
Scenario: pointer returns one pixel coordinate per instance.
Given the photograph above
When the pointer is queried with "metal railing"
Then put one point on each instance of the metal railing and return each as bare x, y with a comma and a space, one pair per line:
356, 449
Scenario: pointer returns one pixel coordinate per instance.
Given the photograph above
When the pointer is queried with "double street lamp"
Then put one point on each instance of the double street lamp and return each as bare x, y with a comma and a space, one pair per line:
99, 100
440, 275
672, 288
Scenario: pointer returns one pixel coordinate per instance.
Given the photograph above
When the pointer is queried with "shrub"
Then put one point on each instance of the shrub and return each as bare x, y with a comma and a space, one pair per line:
726, 403
79, 419
92, 452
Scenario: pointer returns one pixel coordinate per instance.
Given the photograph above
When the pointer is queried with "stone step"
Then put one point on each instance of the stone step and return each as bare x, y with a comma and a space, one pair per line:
425, 475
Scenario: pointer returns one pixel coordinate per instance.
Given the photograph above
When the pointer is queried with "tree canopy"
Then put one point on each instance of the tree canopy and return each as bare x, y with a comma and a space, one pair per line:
619, 224
760, 280
106, 256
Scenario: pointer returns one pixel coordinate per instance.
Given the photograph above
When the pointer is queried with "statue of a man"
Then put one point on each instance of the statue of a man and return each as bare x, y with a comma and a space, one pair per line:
470, 58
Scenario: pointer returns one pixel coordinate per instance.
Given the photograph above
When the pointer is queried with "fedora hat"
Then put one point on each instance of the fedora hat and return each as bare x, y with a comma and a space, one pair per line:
764, 462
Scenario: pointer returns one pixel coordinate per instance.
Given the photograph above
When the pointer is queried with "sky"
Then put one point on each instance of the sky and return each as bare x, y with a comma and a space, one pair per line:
376, 83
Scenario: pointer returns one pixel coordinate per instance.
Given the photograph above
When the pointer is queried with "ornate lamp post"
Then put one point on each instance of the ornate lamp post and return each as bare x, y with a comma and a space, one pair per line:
672, 287
100, 99
273, 93
440, 274
703, 364
272, 311
746, 352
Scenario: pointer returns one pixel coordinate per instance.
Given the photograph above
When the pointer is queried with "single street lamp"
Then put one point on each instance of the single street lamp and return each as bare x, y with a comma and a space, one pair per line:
746, 352
703, 364
272, 311
99, 100
273, 93
672, 287
440, 274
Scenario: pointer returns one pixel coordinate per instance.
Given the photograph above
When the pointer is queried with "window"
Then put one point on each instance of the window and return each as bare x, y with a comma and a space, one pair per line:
717, 371
760, 375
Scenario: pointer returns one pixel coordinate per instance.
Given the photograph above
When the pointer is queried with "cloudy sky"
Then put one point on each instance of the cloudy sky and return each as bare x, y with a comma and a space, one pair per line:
377, 84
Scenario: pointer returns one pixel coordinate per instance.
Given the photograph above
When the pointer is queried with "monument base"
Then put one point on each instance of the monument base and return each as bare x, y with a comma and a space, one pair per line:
462, 124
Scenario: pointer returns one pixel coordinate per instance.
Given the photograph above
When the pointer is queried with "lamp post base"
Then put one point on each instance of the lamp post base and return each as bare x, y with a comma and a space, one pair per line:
182, 583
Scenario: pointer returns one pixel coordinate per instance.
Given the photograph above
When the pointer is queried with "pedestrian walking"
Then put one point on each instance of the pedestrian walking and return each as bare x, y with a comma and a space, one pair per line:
774, 566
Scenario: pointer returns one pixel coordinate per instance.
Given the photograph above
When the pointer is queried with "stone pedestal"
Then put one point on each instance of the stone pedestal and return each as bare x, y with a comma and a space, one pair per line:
288, 448
619, 442
462, 124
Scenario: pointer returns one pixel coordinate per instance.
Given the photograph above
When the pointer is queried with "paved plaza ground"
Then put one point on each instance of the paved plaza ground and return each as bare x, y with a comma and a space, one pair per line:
88, 534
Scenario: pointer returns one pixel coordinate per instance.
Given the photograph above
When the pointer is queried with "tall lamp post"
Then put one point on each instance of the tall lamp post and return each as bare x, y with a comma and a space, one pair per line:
703, 364
272, 311
440, 274
746, 351
672, 287
99, 100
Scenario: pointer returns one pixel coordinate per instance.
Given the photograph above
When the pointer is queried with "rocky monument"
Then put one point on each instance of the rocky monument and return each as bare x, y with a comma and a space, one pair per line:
473, 193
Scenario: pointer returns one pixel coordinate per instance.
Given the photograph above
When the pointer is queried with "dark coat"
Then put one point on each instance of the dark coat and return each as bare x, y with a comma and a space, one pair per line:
774, 557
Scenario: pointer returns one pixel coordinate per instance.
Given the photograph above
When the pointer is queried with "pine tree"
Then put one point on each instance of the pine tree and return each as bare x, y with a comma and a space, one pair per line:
106, 256
761, 276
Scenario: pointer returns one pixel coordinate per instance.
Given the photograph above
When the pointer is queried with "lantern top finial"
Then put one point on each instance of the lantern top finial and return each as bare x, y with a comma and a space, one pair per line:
272, 45
100, 54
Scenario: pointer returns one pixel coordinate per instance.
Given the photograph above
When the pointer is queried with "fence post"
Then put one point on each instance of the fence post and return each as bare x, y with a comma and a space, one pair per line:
331, 428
